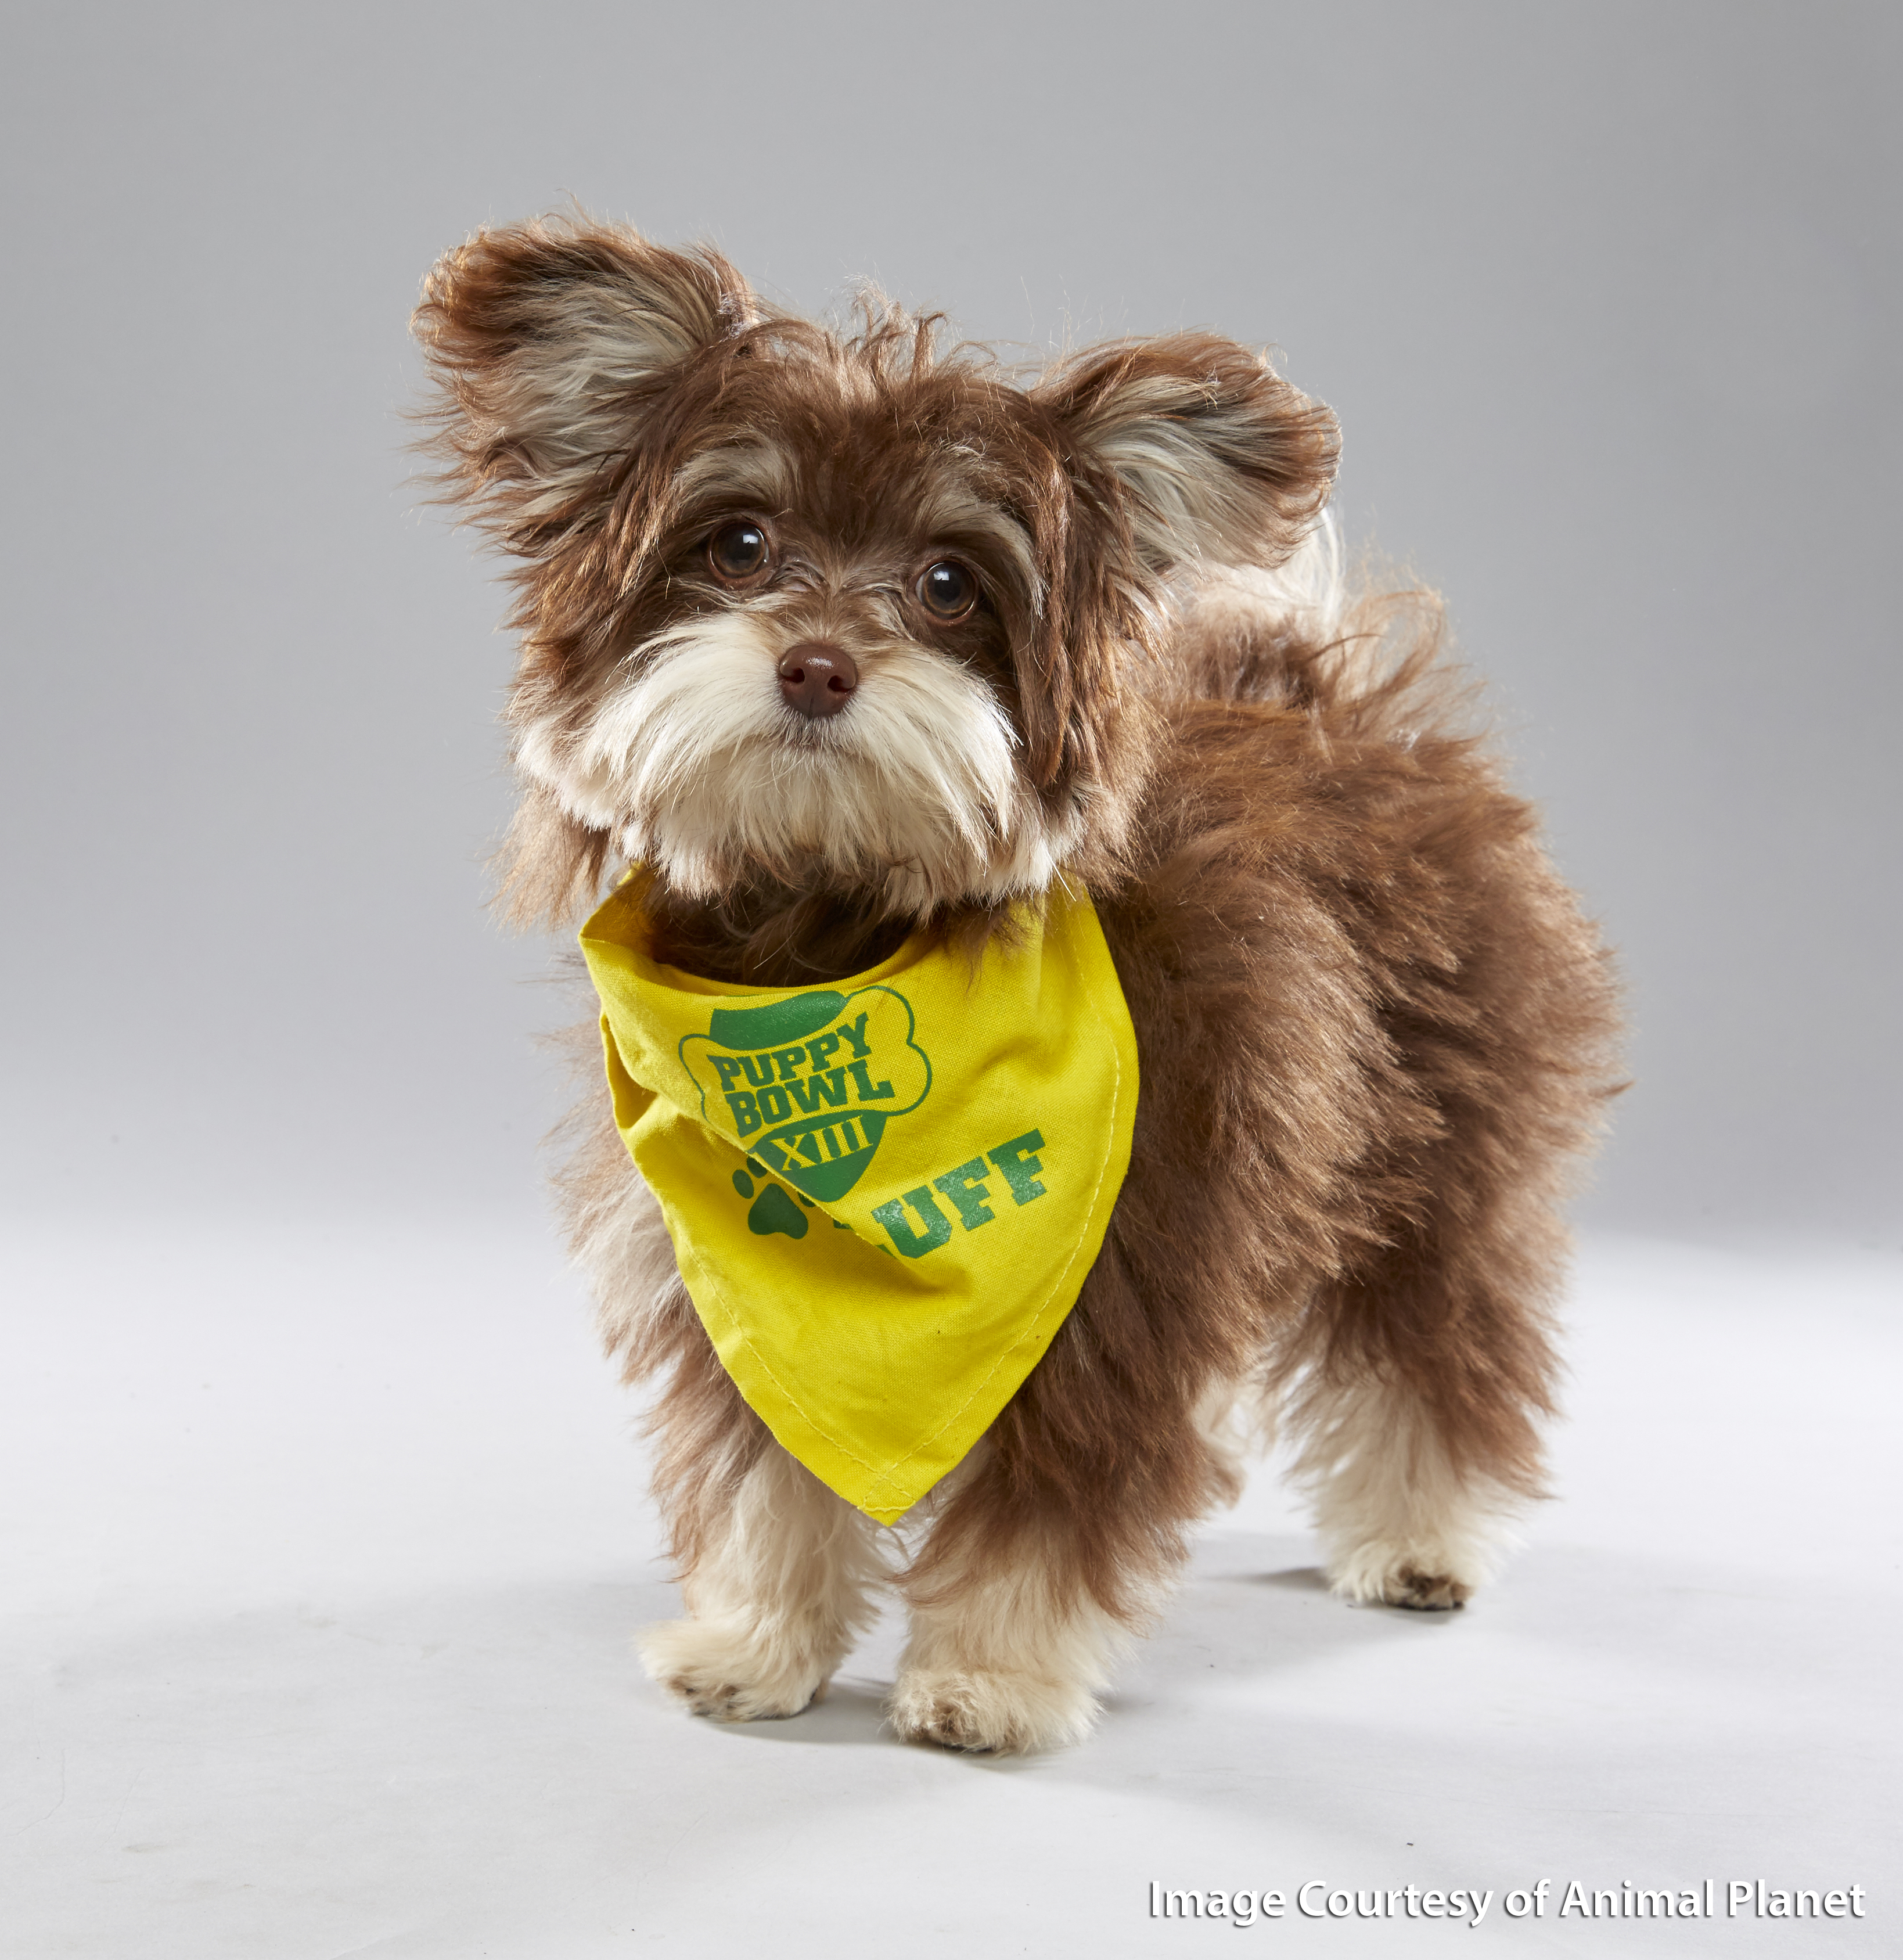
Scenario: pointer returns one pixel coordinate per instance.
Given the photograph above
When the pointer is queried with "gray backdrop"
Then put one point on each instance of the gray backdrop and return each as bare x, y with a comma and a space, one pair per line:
1606, 297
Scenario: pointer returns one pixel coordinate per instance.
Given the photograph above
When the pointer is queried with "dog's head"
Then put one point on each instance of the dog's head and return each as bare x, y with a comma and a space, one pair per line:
853, 614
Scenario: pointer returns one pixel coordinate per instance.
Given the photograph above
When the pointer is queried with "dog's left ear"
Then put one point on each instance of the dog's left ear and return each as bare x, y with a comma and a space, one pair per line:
1210, 454
554, 347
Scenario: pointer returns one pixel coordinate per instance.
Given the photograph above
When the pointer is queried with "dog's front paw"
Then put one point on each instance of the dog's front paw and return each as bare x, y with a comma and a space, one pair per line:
1000, 1714
730, 1672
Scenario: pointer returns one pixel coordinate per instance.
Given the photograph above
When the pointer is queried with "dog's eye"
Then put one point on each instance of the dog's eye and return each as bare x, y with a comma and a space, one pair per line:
947, 591
738, 551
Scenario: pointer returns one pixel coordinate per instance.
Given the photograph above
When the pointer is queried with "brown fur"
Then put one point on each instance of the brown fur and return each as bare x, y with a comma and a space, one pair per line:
1375, 1032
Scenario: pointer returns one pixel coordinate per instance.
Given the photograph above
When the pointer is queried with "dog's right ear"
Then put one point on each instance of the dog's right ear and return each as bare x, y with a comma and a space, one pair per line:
550, 344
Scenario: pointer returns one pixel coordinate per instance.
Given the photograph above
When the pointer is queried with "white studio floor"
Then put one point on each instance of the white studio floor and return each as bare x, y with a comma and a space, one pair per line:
322, 1553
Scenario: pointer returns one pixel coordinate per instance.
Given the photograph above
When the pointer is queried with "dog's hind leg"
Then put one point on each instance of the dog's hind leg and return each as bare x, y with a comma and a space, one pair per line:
1405, 1519
1414, 1396
1420, 1373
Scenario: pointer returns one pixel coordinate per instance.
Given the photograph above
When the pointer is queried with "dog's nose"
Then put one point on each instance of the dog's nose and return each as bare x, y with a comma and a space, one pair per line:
817, 678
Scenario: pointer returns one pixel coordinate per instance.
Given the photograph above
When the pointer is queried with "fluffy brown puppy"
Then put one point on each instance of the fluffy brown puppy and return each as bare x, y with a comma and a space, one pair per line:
846, 637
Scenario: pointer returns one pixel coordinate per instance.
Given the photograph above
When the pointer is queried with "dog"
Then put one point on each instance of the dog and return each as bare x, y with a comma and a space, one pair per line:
854, 640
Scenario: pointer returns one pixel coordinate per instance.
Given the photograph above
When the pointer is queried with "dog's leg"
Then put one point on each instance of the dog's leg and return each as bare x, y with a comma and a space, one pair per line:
1413, 1399
1049, 1547
1005, 1657
1421, 1371
777, 1587
1403, 1520
775, 1569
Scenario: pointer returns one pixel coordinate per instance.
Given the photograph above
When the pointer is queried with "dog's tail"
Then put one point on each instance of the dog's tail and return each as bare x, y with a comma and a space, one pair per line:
1309, 634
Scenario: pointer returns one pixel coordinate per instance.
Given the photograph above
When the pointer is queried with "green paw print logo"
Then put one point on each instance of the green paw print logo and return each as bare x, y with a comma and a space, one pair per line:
773, 1209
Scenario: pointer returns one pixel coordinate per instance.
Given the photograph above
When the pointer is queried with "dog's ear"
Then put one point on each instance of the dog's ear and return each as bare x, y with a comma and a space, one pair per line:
1212, 455
551, 344
1172, 451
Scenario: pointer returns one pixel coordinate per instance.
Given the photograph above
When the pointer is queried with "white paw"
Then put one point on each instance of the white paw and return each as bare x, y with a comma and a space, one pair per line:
1005, 1713
1430, 1578
729, 1671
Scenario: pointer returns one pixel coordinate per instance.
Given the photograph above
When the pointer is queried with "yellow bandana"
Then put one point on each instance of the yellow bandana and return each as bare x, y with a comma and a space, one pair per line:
884, 1195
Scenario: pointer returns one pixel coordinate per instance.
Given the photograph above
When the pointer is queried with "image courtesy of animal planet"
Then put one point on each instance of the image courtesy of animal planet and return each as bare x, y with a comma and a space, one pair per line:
1068, 972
